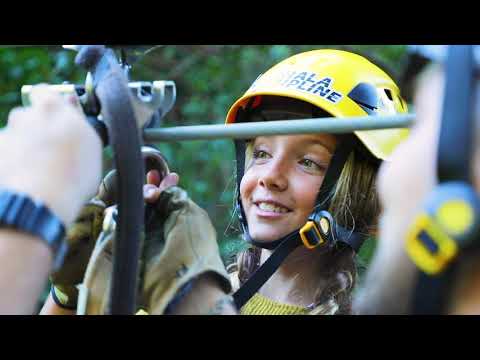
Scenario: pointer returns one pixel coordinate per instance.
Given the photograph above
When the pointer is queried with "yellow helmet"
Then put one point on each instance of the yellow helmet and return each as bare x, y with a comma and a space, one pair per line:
341, 83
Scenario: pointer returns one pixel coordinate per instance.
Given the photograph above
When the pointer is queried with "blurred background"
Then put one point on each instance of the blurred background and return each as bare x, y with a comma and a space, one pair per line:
209, 78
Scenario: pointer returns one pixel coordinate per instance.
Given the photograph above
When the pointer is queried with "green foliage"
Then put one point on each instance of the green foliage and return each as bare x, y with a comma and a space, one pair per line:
209, 79
365, 255
31, 65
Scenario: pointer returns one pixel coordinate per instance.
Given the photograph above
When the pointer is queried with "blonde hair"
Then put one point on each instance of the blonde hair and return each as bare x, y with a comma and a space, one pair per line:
354, 205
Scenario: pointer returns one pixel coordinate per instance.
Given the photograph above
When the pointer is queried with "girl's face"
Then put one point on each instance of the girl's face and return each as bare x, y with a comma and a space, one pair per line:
281, 182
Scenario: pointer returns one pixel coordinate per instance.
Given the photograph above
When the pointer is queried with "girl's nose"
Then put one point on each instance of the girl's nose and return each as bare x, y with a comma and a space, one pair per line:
274, 177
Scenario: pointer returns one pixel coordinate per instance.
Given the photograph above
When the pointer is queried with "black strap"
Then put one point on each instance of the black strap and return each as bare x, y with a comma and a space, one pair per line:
335, 168
111, 89
290, 243
264, 272
351, 238
457, 120
431, 293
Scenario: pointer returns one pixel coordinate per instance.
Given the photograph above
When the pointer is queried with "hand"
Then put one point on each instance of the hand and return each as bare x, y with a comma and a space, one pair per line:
83, 235
154, 186
81, 238
180, 247
412, 169
158, 178
50, 152
403, 184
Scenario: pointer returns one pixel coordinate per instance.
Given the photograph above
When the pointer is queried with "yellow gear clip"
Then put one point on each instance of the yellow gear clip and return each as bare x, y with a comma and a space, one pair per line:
310, 235
447, 226
429, 247
429, 243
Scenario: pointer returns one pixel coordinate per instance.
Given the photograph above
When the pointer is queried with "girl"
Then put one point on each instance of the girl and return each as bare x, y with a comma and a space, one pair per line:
307, 202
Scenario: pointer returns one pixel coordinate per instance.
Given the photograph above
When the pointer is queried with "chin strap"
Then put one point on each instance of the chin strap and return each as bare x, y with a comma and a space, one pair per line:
264, 272
320, 231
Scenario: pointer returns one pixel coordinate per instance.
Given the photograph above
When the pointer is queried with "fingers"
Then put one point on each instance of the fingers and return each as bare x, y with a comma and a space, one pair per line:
43, 97
428, 95
153, 177
151, 192
171, 179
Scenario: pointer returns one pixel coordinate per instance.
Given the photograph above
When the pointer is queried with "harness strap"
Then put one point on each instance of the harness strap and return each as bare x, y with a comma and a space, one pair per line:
264, 272
431, 291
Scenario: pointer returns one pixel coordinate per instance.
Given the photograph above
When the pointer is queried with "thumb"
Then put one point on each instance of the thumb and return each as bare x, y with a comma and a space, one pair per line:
171, 179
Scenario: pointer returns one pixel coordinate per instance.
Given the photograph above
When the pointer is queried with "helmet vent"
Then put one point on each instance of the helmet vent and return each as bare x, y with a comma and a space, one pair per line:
366, 96
389, 94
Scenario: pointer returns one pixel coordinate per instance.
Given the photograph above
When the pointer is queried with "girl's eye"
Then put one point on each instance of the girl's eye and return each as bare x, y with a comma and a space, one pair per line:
312, 165
260, 154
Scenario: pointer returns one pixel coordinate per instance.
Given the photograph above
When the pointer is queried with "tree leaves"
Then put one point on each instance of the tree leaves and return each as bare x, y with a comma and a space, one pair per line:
209, 79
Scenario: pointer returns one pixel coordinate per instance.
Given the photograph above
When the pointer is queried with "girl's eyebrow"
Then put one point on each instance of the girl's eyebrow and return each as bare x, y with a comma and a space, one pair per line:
317, 142
309, 140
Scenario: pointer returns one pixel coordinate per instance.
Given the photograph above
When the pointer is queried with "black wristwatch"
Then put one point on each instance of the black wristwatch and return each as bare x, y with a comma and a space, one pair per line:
19, 211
